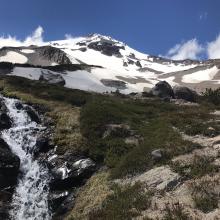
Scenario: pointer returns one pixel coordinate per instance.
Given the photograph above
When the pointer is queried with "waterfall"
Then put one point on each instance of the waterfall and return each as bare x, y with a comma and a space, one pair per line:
30, 199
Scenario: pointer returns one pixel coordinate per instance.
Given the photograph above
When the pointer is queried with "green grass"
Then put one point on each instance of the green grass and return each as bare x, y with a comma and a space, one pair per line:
200, 166
80, 121
125, 203
150, 119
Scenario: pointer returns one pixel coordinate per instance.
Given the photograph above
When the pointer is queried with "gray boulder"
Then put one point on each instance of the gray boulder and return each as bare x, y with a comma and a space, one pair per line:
49, 77
163, 90
185, 93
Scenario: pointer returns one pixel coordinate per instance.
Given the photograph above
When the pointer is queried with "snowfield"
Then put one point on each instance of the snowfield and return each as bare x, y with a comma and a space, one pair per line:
13, 57
201, 76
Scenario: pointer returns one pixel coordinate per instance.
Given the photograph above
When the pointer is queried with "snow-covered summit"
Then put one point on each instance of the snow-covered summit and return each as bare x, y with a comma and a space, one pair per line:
122, 66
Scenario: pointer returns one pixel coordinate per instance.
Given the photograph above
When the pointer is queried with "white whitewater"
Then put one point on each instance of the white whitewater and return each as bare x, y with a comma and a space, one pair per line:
30, 200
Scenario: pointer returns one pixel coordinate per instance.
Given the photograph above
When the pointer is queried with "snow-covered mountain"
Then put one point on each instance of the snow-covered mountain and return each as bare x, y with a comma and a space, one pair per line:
105, 64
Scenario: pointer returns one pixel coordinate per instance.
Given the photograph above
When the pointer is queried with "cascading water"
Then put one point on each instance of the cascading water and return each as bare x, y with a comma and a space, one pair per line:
30, 199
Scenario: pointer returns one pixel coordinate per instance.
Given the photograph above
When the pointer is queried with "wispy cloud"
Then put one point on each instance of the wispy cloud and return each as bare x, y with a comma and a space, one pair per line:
203, 16
186, 50
213, 48
192, 49
36, 38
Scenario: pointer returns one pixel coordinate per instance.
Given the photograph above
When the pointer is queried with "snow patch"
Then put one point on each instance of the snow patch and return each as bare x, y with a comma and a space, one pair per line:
200, 76
13, 57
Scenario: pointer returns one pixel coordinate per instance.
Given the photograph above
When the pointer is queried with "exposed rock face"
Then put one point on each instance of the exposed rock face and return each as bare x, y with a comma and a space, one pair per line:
9, 166
118, 84
185, 94
43, 56
53, 54
52, 78
163, 90
9, 169
106, 47
5, 121
67, 172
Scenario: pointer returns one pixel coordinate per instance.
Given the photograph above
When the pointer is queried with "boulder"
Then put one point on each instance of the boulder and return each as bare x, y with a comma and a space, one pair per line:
49, 77
163, 90
69, 171
157, 154
5, 121
9, 166
32, 114
185, 93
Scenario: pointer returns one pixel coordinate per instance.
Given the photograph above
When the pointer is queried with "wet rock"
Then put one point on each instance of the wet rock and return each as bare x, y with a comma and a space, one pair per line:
56, 198
68, 171
185, 94
9, 166
65, 206
18, 105
5, 121
32, 114
43, 145
5, 200
49, 77
163, 90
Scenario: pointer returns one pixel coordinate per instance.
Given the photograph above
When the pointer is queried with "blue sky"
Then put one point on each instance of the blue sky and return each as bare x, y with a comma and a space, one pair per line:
151, 26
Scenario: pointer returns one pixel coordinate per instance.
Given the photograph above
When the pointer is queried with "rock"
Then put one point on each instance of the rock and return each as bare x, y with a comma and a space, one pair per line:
42, 145
65, 206
106, 47
5, 121
117, 130
18, 105
157, 154
185, 94
118, 84
163, 90
49, 77
9, 166
5, 200
67, 171
159, 178
56, 198
32, 114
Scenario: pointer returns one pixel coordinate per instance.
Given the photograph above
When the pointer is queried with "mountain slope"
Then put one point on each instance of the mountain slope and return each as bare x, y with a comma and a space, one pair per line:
119, 66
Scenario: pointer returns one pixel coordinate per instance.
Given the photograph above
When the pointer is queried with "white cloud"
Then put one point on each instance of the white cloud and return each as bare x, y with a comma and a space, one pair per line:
36, 38
186, 50
213, 49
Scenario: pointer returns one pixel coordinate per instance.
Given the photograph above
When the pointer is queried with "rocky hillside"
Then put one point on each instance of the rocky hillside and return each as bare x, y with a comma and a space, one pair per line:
111, 65
148, 156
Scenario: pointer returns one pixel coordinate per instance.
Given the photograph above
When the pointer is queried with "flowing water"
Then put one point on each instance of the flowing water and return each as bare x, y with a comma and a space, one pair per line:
30, 199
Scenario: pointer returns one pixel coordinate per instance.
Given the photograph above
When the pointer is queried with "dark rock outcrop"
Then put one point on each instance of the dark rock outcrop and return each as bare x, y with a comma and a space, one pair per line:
106, 47
118, 84
9, 170
9, 166
49, 77
185, 93
32, 114
163, 90
5, 121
